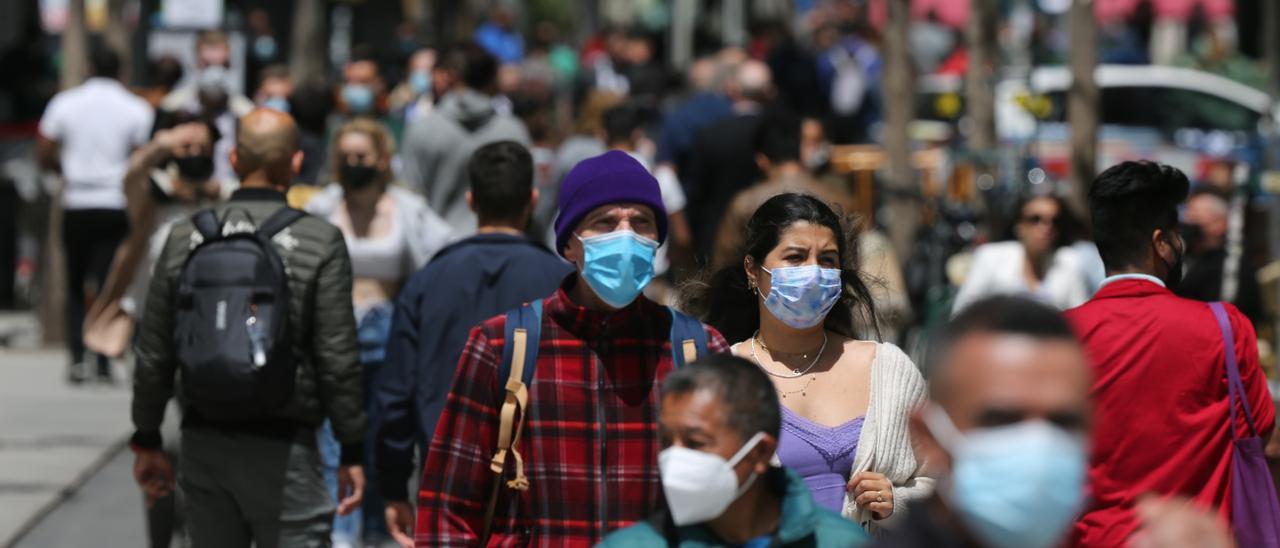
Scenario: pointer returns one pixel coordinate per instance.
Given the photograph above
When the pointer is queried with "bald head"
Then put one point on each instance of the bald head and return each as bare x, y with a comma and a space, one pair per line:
266, 152
1210, 212
752, 82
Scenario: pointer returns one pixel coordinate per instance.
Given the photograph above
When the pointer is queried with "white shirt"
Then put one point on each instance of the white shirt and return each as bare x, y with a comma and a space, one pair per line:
98, 124
998, 270
1120, 277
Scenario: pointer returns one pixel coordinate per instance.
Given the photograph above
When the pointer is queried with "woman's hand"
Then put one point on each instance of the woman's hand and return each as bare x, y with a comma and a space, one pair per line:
871, 490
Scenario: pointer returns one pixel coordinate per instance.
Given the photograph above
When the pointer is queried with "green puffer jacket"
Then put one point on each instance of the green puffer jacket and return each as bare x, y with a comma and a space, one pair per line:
328, 381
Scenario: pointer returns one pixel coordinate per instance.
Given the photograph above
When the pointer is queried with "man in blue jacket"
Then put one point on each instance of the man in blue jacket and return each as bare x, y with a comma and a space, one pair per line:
496, 270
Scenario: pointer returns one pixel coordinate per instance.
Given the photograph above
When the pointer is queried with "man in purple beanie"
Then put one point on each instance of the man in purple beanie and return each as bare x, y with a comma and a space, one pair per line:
583, 457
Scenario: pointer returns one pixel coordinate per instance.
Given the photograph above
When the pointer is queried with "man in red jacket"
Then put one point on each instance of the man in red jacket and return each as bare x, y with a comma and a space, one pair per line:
1160, 387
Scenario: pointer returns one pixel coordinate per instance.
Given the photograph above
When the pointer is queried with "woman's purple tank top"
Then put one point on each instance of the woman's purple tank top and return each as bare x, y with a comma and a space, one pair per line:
822, 455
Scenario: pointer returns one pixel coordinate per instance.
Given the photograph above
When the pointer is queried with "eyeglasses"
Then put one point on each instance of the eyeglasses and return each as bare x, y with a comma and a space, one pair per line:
1037, 219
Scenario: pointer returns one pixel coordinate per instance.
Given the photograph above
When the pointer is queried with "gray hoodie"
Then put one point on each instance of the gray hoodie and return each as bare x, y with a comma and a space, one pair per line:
438, 146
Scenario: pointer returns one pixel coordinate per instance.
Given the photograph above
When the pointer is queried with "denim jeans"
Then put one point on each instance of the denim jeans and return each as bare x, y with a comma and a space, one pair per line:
373, 327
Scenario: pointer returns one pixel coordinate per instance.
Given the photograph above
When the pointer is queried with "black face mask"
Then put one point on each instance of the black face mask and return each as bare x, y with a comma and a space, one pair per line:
1173, 278
357, 176
195, 168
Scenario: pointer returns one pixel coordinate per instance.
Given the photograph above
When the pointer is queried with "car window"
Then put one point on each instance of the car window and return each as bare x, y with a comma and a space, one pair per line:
1172, 109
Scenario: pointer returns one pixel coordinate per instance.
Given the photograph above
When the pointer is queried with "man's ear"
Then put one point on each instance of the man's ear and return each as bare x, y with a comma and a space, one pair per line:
927, 448
763, 163
573, 251
534, 196
295, 163
234, 160
471, 201
764, 452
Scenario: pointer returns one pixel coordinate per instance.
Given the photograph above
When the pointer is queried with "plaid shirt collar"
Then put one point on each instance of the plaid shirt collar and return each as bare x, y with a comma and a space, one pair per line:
592, 325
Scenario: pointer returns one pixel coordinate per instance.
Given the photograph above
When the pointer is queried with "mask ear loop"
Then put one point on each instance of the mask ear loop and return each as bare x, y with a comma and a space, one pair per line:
737, 458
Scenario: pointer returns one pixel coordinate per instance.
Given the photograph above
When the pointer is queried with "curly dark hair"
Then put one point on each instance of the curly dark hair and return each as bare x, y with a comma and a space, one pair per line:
725, 301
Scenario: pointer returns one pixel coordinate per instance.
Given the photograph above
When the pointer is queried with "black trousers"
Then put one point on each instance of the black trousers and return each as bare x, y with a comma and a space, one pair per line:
89, 238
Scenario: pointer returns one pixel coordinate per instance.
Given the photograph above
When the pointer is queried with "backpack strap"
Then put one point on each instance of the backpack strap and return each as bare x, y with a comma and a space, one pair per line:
207, 224
519, 361
688, 338
282, 218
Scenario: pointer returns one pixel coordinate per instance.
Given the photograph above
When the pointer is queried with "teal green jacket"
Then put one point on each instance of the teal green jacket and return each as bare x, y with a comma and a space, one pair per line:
803, 524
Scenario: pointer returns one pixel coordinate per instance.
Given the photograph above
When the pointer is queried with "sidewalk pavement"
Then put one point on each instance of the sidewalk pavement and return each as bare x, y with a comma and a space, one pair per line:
53, 437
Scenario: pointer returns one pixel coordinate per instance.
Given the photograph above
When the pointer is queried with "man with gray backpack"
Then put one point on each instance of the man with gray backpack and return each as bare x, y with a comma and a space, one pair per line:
248, 320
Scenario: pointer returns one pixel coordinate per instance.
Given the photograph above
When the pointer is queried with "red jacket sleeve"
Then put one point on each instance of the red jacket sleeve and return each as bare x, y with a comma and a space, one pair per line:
1255, 381
456, 480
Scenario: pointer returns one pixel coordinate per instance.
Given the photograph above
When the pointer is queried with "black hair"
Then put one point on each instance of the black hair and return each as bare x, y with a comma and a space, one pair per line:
778, 138
1128, 202
621, 122
475, 67
501, 176
1069, 227
172, 119
104, 62
1004, 315
166, 72
725, 300
749, 398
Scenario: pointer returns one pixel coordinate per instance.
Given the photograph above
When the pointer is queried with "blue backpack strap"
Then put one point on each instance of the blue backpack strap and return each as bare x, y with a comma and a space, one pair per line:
529, 318
688, 338
521, 335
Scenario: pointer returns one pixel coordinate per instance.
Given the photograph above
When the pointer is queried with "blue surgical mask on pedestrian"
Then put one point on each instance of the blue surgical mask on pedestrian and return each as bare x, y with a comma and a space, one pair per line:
801, 296
618, 265
358, 97
1041, 488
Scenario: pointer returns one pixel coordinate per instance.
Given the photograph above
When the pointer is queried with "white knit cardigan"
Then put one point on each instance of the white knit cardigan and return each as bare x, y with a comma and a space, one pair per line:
885, 446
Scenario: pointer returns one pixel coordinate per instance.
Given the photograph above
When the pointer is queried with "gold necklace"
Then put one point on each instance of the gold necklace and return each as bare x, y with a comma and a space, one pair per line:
800, 391
803, 355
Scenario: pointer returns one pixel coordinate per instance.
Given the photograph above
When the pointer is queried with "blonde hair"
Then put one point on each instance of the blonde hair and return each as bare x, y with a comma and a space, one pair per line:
383, 144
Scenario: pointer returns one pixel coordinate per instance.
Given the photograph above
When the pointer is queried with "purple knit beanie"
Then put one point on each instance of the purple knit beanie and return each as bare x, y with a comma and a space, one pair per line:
610, 178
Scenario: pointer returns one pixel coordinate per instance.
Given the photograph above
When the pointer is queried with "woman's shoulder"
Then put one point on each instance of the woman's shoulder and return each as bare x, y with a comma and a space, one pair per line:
892, 358
998, 250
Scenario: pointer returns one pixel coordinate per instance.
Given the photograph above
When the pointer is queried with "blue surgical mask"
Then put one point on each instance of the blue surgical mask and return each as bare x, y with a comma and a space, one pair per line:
618, 265
1016, 486
420, 82
276, 103
358, 97
801, 296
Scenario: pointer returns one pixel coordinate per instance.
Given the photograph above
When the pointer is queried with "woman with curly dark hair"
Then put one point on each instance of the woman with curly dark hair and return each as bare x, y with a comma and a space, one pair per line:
794, 302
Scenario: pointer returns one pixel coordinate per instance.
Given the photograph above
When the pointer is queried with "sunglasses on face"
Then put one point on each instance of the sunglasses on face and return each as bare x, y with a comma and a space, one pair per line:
1037, 219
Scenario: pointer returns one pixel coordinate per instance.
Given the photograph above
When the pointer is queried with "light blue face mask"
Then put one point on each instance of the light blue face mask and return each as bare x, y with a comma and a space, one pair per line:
276, 103
420, 82
801, 296
618, 265
1039, 480
358, 97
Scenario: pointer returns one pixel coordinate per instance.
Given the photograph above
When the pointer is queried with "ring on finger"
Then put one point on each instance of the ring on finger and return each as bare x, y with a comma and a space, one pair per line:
880, 496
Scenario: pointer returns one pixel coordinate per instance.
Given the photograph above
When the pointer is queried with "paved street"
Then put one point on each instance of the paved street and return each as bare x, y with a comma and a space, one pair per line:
52, 437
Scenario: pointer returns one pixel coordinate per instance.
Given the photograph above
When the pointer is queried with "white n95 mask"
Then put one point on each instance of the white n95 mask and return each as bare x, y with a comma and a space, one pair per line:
699, 485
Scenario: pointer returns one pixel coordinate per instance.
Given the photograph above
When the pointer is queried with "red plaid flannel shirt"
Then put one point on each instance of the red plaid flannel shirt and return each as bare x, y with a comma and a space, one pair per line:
590, 443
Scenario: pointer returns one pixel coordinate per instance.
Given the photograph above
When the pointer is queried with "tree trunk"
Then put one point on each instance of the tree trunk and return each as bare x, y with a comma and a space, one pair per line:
901, 203
75, 47
308, 51
53, 292
980, 98
1082, 102
117, 37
